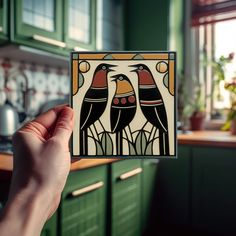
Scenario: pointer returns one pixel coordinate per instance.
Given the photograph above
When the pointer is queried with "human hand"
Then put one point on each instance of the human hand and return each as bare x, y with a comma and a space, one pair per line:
41, 164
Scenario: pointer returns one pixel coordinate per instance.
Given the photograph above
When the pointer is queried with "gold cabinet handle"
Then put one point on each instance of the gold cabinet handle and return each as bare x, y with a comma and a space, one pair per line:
87, 189
130, 173
49, 41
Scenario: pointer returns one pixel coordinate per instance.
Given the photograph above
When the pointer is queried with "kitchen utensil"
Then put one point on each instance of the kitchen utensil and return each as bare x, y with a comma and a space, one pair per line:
9, 120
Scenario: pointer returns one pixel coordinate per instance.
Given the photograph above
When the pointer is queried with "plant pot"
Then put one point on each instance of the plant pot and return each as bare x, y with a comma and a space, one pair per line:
197, 122
233, 127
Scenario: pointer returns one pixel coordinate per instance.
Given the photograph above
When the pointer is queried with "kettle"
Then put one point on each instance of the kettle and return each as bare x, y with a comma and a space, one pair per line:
9, 120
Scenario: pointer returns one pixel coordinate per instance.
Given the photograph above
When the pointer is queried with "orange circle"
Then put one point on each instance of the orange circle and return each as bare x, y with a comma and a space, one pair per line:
84, 66
161, 67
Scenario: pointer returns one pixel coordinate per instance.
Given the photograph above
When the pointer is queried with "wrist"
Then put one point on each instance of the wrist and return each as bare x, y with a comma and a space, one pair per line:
25, 213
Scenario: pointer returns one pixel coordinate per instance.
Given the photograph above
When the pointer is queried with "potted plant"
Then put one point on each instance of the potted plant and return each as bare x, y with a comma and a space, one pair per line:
230, 123
191, 107
195, 109
219, 67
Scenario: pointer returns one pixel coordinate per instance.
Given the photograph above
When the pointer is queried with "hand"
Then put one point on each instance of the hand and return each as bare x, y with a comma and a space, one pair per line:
41, 166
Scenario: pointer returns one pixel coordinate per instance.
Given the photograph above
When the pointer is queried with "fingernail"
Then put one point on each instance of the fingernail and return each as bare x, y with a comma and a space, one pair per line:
68, 113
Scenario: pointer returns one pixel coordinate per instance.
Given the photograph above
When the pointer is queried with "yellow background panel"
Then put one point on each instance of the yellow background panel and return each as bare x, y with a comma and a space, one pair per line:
75, 76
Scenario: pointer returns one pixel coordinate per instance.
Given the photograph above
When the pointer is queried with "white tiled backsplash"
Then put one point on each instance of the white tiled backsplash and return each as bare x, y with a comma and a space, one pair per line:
39, 84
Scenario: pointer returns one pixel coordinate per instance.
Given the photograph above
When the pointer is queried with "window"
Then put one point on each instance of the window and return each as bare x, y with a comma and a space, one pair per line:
79, 20
39, 13
215, 29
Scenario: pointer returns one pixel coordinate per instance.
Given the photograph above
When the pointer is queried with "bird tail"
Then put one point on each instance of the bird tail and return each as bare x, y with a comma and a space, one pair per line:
84, 142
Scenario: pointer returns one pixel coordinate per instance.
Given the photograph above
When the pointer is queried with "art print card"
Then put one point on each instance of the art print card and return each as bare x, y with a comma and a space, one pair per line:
124, 103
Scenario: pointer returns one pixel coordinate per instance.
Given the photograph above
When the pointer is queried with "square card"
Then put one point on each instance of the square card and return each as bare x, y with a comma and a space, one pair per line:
124, 104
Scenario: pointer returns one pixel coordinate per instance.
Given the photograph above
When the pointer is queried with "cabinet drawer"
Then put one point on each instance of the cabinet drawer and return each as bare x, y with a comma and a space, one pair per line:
83, 208
126, 197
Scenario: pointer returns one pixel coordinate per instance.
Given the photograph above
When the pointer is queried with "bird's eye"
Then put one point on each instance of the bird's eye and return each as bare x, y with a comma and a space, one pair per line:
140, 67
120, 78
104, 67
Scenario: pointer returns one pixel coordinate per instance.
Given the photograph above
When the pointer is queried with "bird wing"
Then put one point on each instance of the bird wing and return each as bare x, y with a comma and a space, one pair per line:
116, 118
85, 113
162, 119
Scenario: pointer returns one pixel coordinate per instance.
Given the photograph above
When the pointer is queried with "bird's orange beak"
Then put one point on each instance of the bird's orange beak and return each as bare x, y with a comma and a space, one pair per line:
134, 66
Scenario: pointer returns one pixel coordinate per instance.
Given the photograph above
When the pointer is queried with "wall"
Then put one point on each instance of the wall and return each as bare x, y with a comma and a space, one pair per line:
146, 24
156, 25
41, 83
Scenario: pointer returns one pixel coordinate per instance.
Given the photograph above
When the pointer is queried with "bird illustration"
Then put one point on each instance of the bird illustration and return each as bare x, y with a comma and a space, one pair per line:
123, 108
152, 105
94, 103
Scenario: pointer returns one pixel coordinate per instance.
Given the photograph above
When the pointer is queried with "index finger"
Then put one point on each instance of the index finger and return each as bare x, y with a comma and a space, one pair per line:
49, 118
43, 125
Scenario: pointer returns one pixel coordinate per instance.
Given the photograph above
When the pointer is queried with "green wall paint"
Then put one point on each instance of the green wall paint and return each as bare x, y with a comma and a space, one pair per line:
146, 24
176, 31
155, 25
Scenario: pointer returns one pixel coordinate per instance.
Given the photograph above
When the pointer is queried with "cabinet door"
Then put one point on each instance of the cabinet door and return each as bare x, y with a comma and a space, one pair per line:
80, 24
83, 205
214, 192
149, 185
39, 22
126, 198
50, 228
3, 20
174, 179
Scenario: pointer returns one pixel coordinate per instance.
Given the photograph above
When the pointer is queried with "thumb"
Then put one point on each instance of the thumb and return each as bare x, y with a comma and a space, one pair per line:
64, 125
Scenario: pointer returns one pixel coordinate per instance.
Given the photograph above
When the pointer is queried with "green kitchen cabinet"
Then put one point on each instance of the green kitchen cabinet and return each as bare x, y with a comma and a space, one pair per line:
50, 228
174, 191
214, 192
80, 24
57, 26
4, 6
83, 205
38, 23
125, 198
149, 185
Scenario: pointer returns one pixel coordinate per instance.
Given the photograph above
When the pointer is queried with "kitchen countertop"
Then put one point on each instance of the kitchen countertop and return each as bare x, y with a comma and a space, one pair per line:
201, 138
208, 138
6, 163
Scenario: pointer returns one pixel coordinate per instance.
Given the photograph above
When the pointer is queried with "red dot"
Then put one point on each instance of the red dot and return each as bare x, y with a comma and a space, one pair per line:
116, 101
123, 100
131, 99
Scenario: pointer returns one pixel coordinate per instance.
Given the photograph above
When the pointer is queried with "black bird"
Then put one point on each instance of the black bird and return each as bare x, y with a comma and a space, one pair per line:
152, 105
123, 108
94, 103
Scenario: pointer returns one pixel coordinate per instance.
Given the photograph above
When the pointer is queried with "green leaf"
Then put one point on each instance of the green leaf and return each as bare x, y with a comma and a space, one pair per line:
149, 149
132, 150
141, 143
107, 144
81, 80
99, 150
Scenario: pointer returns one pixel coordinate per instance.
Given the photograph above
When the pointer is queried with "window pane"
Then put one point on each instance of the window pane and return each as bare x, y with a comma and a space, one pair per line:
39, 13
79, 20
225, 43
